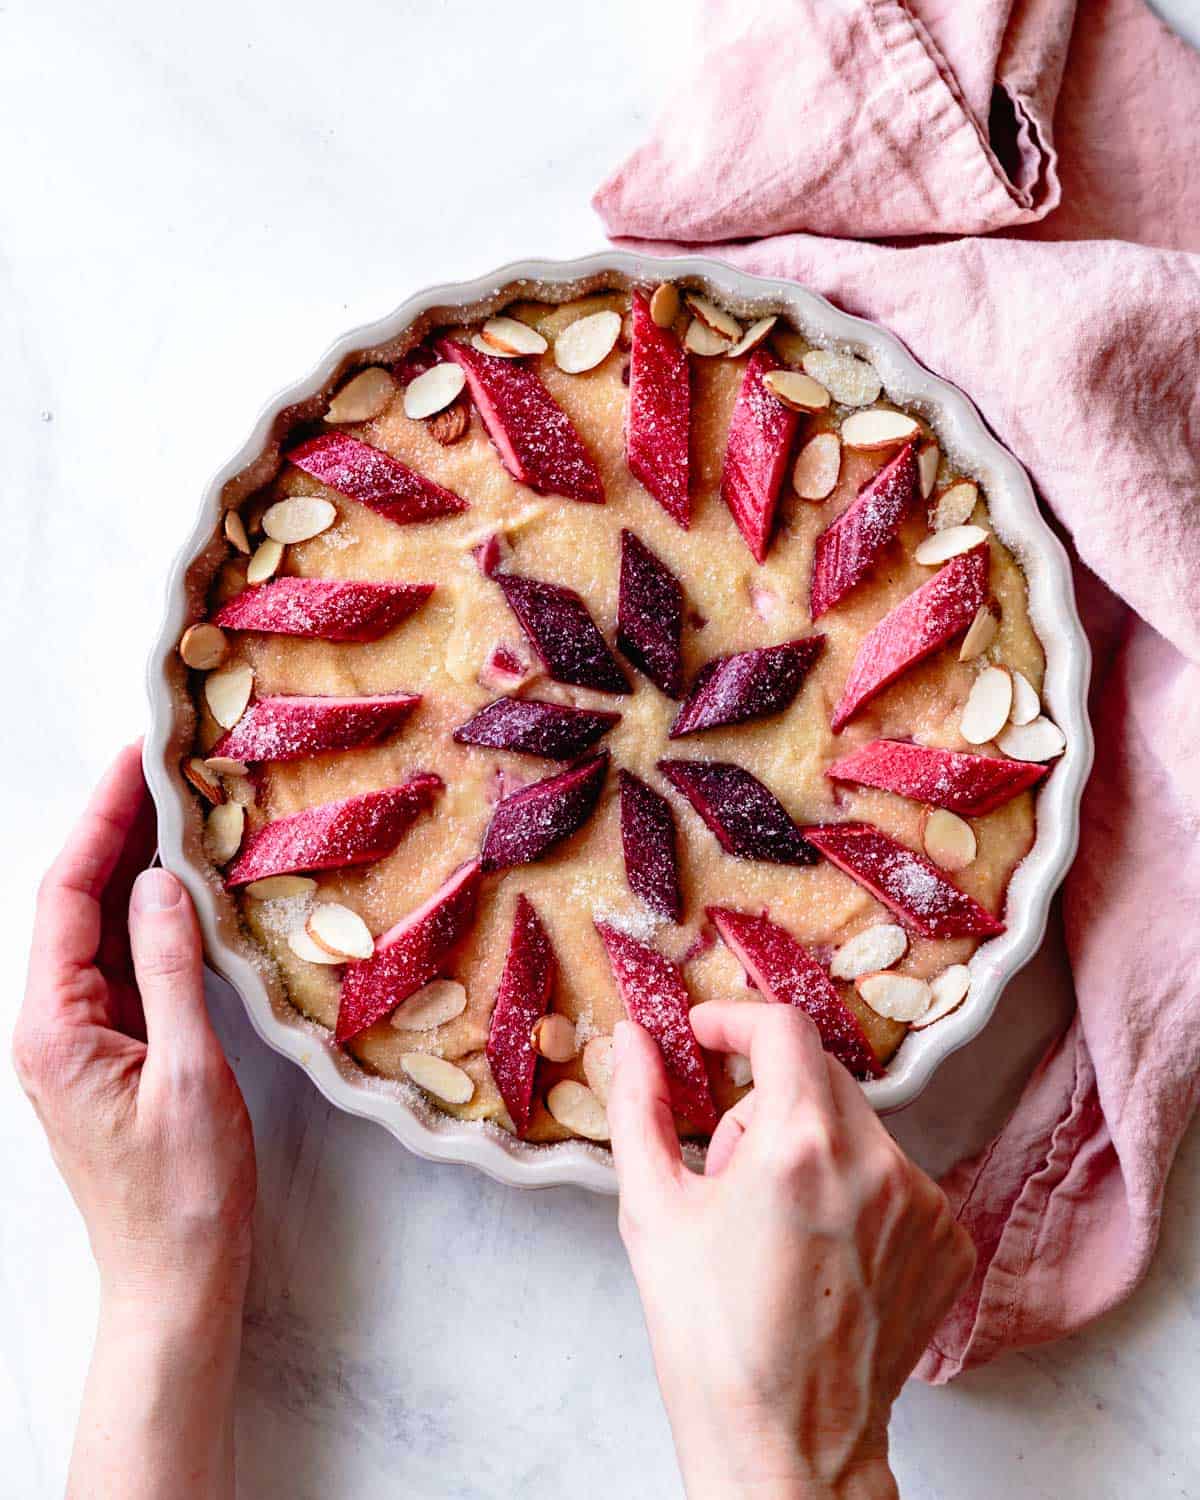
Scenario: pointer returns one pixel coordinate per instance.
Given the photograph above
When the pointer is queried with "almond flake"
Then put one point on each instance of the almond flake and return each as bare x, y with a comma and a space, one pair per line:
438, 1077
227, 693
223, 831
598, 1066
198, 776
870, 950
986, 710
280, 887
949, 990
224, 765
899, 997
817, 467
434, 390
796, 390
583, 344
850, 381
940, 546
439, 1001
700, 339
511, 337
303, 947
577, 1109
1025, 705
928, 460
1039, 740
949, 840
298, 518
980, 633
340, 931
553, 1037
713, 317
878, 428
664, 304
753, 336
954, 506
265, 562
363, 397
203, 646
449, 426
235, 533
738, 1070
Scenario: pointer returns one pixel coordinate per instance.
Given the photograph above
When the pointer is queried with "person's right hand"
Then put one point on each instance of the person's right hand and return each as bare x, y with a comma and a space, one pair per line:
789, 1291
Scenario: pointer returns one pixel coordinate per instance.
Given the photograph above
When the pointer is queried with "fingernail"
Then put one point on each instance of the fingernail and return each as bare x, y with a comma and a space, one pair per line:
622, 1037
155, 890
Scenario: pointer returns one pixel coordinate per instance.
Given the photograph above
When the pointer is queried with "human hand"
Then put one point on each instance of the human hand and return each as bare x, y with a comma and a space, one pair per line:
789, 1291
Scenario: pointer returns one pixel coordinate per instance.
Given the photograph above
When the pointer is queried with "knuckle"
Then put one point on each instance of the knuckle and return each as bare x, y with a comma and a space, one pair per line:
801, 1151
167, 956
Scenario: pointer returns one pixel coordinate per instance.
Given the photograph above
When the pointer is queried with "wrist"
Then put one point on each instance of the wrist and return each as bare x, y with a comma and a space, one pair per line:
197, 1294
721, 1460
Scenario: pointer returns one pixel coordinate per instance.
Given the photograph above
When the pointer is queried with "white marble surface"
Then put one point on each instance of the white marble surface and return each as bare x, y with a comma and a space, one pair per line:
196, 200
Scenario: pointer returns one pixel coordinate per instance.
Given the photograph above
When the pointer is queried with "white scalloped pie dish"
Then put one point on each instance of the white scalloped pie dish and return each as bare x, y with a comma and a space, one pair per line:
1014, 515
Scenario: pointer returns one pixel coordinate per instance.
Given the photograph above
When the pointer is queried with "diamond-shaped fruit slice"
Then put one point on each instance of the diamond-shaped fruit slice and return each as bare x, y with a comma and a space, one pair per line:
648, 843
530, 726
761, 430
848, 548
656, 997
748, 820
533, 435
650, 616
657, 421
532, 821
916, 890
375, 479
970, 785
410, 954
323, 608
929, 617
291, 728
563, 633
747, 685
783, 970
521, 1001
354, 831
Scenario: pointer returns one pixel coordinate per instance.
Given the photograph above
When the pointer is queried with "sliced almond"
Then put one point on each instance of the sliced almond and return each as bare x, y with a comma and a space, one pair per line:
940, 546
899, 997
280, 887
980, 633
434, 390
265, 562
738, 1070
439, 1001
1025, 705
227, 692
869, 951
714, 317
224, 765
850, 381
949, 990
753, 336
664, 304
203, 646
817, 467
553, 1037
928, 459
438, 1077
598, 1066
878, 428
303, 947
235, 532
451, 425
198, 775
298, 518
511, 337
986, 710
949, 840
700, 339
954, 506
796, 390
577, 1109
223, 831
1038, 740
583, 344
363, 397
340, 931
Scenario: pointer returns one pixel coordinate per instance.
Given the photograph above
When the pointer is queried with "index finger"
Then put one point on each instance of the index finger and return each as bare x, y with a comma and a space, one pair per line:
782, 1044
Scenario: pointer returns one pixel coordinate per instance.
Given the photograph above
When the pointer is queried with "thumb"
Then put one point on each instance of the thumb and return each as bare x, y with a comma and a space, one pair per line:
645, 1144
168, 964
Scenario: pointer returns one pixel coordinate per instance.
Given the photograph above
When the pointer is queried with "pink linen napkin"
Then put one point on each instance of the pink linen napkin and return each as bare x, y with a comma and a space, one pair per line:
1077, 338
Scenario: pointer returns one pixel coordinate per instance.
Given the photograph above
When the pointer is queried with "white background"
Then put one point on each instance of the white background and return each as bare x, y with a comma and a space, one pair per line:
194, 200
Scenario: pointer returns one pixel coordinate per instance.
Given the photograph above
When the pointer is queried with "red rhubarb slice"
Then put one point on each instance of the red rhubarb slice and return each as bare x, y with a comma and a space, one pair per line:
656, 997
375, 479
930, 616
410, 954
748, 820
563, 633
648, 844
323, 608
354, 831
908, 883
529, 726
533, 435
761, 430
784, 971
650, 616
970, 785
532, 821
521, 1001
747, 685
275, 729
848, 549
656, 423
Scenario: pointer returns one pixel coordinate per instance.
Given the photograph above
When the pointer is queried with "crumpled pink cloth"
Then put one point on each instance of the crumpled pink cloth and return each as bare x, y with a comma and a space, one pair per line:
1074, 131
